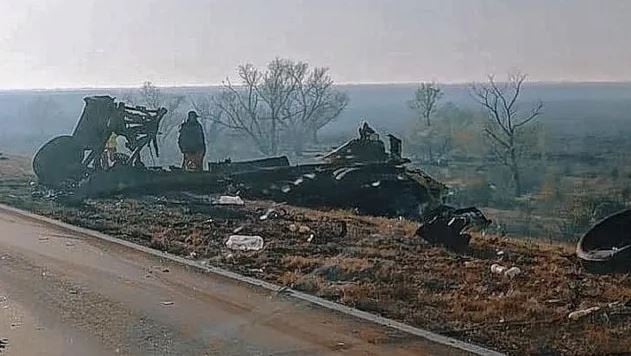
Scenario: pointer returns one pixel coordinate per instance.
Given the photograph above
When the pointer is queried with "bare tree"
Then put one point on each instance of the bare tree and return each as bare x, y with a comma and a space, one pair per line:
424, 104
287, 97
506, 121
313, 105
153, 97
425, 101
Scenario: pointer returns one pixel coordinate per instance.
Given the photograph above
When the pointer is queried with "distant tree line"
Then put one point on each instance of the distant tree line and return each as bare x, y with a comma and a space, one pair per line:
506, 127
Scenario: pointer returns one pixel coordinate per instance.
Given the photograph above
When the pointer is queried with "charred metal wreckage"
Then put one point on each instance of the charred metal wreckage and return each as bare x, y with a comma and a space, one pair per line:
360, 174
70, 158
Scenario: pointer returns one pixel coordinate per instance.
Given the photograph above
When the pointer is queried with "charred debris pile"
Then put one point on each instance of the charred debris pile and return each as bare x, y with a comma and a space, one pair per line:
360, 175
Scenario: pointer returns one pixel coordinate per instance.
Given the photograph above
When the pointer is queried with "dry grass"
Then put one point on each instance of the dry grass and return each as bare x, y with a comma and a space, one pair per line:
15, 167
300, 263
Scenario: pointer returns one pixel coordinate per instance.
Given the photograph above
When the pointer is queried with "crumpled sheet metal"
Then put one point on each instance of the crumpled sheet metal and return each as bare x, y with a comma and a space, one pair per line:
450, 227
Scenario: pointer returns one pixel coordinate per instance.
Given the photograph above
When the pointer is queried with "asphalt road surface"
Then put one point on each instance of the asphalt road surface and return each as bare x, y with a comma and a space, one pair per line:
64, 293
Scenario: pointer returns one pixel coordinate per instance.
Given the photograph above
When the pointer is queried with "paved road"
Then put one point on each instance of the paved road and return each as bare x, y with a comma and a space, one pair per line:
63, 293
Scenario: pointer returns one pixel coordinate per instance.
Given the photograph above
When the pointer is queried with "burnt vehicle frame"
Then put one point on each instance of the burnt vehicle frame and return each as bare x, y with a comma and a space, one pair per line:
359, 174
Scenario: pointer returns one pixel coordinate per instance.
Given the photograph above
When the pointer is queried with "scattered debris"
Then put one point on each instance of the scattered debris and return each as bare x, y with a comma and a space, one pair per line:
512, 272
303, 229
270, 213
508, 272
229, 200
339, 346
579, 314
449, 226
244, 243
160, 268
498, 269
293, 227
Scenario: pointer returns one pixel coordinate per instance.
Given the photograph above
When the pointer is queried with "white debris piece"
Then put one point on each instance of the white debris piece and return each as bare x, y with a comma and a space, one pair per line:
512, 272
303, 229
228, 200
496, 268
575, 315
245, 243
267, 214
508, 272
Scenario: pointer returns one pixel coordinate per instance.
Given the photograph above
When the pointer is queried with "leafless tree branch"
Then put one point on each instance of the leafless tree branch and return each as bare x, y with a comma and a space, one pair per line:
506, 122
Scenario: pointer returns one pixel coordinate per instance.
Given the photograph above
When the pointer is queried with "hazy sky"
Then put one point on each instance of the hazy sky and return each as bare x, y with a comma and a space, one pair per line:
79, 43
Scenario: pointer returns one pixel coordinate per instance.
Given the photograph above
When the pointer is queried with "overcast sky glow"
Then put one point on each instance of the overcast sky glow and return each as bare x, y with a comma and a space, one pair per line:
89, 43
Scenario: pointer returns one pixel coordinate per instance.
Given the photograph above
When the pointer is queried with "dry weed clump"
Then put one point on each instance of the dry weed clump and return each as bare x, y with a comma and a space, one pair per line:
300, 263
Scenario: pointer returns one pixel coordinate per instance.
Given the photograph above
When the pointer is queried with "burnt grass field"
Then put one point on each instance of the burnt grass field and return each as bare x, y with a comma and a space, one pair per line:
373, 264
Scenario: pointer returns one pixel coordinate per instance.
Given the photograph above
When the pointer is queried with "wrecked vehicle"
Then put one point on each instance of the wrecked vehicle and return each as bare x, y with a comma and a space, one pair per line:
67, 158
359, 174
451, 227
606, 247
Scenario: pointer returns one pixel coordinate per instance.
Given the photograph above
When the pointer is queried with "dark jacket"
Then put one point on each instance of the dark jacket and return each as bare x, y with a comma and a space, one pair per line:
191, 137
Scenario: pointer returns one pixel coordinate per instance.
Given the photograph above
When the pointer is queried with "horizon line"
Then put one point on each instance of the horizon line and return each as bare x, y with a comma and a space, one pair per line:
183, 86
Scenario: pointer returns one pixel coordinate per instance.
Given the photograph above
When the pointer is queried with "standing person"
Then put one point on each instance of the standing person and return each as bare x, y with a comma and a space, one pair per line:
192, 143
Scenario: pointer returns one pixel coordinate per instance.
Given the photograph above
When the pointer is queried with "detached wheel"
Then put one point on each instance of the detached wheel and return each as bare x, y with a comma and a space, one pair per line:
58, 160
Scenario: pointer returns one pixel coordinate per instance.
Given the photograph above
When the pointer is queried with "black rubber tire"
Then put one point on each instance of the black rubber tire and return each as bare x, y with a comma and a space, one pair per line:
58, 160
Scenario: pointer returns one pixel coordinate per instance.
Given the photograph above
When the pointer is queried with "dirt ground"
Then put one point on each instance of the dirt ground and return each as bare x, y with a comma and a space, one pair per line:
374, 264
